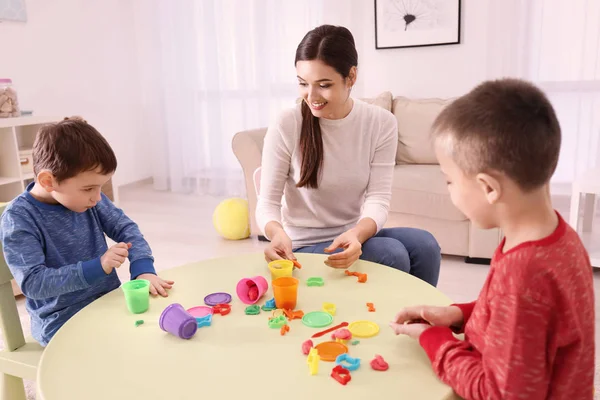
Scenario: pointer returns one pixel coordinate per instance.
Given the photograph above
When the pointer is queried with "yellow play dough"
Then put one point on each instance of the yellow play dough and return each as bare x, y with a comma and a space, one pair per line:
230, 219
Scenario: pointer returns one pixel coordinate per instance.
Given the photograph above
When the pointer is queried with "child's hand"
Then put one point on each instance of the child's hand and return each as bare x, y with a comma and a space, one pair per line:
157, 284
115, 256
434, 315
413, 321
414, 330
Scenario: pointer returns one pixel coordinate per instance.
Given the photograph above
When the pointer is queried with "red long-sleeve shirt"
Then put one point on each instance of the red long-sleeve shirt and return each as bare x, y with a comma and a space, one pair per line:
530, 334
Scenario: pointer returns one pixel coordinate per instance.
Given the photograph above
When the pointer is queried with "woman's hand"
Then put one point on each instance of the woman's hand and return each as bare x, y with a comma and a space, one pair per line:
280, 247
352, 250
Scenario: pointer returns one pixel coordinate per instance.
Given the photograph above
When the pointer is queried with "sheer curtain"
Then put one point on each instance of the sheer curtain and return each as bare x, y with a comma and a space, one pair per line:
212, 68
555, 44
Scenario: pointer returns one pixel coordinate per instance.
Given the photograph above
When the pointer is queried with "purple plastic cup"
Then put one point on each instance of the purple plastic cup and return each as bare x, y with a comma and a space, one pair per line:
177, 321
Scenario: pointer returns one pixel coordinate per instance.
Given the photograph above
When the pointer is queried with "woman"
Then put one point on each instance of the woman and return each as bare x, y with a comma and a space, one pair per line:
333, 158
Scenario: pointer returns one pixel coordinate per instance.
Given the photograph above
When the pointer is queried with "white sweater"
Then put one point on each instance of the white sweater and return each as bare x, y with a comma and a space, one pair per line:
356, 176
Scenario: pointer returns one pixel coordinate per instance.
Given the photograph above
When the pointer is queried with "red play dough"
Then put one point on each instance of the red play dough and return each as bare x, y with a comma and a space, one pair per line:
379, 364
306, 346
253, 293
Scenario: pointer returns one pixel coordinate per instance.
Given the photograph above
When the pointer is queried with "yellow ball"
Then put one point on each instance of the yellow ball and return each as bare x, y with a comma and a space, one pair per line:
230, 219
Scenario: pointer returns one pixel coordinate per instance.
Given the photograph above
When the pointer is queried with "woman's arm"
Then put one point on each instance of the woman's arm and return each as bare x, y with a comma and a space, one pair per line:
275, 167
379, 189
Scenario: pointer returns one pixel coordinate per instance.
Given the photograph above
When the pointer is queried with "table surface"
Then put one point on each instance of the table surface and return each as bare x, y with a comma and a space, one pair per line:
101, 354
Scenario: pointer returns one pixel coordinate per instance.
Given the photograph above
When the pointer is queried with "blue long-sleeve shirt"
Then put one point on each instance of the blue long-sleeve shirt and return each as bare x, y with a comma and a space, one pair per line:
54, 255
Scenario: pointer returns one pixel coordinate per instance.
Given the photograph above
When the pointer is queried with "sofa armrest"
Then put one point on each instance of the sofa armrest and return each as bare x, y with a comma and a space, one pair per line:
247, 147
483, 243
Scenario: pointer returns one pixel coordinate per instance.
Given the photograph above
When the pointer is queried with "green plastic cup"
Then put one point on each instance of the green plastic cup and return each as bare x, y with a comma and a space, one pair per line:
137, 295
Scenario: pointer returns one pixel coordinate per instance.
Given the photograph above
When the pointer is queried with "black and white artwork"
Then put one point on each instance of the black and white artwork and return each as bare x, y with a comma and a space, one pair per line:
416, 23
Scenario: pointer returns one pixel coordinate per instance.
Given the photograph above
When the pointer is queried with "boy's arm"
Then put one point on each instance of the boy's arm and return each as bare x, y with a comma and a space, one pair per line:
514, 361
121, 228
467, 310
24, 254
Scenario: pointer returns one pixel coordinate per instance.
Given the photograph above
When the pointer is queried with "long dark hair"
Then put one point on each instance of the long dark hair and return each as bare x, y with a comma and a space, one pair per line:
333, 45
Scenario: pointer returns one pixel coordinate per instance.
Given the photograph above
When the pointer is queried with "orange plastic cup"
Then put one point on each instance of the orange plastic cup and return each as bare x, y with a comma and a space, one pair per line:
285, 290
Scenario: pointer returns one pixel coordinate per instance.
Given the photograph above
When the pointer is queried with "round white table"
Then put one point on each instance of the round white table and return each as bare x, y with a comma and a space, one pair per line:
101, 354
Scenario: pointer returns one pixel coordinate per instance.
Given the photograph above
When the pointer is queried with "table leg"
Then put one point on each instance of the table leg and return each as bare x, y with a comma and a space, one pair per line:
574, 212
11, 388
589, 210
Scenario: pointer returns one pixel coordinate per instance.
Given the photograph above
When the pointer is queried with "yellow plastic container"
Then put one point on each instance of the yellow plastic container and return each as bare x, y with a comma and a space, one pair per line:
281, 268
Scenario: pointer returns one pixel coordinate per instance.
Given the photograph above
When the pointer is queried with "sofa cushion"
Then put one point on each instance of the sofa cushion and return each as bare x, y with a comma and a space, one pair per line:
383, 100
415, 118
421, 190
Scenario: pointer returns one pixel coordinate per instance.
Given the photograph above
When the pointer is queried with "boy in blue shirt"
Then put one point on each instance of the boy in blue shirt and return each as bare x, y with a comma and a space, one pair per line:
53, 234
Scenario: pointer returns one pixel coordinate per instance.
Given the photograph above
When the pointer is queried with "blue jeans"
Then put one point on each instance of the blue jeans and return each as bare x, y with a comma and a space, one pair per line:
414, 251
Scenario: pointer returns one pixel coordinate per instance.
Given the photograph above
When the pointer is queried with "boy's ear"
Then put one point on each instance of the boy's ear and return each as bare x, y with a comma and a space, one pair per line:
47, 181
490, 186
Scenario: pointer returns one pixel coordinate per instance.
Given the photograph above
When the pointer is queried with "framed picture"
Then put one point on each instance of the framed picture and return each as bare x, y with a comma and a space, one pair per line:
416, 23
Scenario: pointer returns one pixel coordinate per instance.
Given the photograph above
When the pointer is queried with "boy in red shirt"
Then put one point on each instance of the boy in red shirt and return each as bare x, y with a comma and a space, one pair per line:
530, 334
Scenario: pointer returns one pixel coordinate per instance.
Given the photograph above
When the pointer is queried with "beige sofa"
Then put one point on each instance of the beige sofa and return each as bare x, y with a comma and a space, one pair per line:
420, 198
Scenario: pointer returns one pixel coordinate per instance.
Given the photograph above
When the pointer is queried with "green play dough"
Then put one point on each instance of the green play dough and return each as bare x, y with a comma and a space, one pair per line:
252, 310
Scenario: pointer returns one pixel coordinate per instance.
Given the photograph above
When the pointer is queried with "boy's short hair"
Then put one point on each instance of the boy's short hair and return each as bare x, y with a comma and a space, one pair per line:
506, 125
69, 147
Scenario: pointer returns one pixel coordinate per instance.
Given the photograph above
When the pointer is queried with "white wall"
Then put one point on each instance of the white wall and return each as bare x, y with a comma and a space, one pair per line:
77, 57
439, 71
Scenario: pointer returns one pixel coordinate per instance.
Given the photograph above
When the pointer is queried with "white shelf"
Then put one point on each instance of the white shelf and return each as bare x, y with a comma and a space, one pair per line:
30, 175
24, 121
8, 180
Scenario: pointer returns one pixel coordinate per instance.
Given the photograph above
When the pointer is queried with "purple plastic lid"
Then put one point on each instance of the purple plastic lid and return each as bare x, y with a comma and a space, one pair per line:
5, 80
217, 298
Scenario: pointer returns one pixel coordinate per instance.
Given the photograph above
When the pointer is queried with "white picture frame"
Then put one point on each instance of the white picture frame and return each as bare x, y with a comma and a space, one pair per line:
416, 23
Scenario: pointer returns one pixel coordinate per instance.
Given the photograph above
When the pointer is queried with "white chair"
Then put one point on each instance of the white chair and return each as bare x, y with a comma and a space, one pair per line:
588, 184
20, 357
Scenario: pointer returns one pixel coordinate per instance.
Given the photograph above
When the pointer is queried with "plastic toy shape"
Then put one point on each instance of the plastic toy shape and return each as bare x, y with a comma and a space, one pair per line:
379, 364
319, 334
307, 346
298, 314
252, 310
370, 307
269, 305
352, 364
222, 309
284, 329
362, 278
277, 322
329, 308
315, 281
204, 321
313, 361
341, 374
